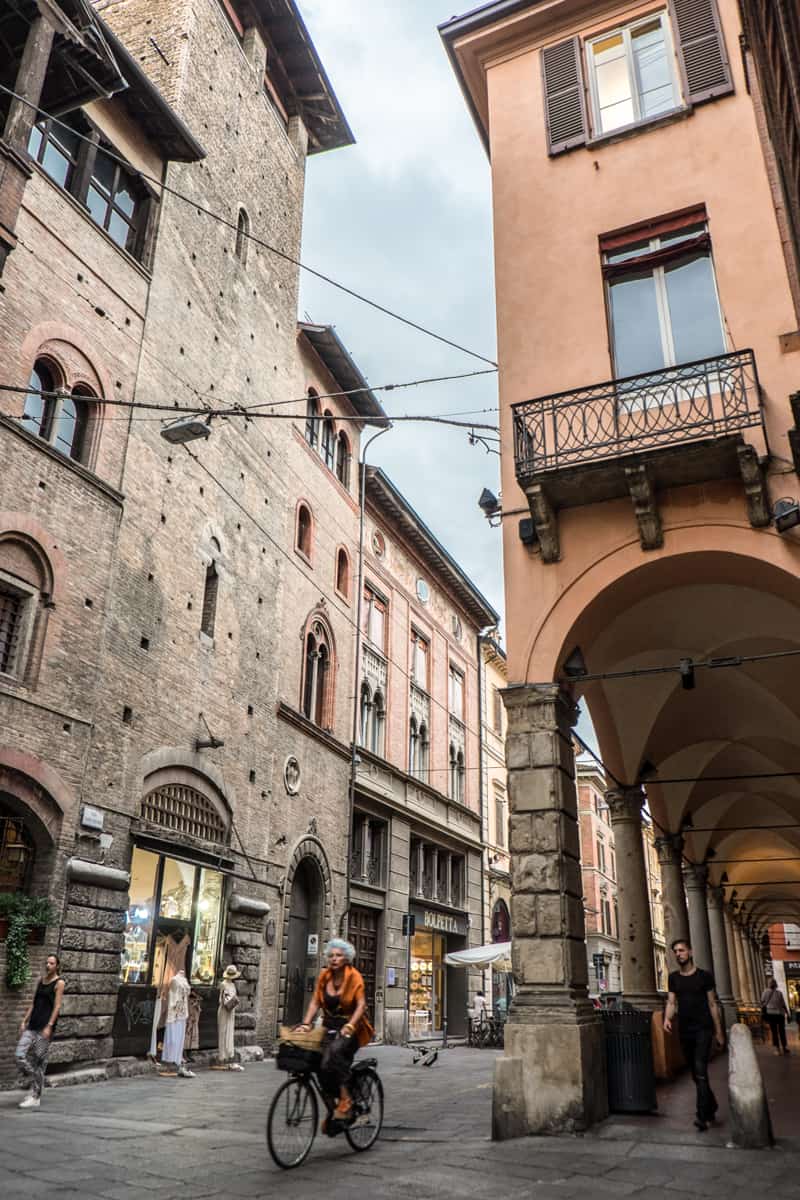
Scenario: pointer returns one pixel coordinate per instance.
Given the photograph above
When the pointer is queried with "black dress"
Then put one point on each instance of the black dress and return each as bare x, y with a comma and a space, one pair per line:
337, 1052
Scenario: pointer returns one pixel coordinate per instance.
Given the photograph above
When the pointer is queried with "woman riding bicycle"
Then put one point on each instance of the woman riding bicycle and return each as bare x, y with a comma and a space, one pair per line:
340, 997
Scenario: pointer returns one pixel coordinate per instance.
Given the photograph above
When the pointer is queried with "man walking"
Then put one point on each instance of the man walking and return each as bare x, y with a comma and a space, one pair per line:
37, 1029
692, 994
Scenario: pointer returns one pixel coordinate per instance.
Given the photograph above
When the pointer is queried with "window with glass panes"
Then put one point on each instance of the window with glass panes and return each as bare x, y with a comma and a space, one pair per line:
632, 72
456, 697
420, 653
662, 298
171, 900
75, 157
373, 619
62, 419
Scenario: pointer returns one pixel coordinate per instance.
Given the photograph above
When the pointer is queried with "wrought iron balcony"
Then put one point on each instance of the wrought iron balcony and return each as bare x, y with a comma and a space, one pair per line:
635, 435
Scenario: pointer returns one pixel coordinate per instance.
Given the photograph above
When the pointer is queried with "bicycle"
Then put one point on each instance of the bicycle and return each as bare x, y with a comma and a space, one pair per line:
293, 1113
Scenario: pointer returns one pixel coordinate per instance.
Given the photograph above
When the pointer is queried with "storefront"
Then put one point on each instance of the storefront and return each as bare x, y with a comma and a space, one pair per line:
174, 923
437, 997
791, 969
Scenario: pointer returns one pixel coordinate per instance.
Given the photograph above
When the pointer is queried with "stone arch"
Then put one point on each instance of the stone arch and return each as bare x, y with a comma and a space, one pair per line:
32, 791
309, 853
187, 802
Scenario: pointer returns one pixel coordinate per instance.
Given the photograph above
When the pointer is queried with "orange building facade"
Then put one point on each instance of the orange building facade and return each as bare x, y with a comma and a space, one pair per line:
647, 311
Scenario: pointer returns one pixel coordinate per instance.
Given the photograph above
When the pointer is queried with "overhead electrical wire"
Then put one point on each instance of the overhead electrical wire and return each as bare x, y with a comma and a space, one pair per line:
731, 660
233, 226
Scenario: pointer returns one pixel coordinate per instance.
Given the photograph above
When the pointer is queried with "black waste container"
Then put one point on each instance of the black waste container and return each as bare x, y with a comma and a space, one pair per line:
629, 1054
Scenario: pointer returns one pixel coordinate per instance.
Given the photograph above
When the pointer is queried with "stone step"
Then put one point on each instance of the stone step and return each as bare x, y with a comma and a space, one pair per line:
93, 1074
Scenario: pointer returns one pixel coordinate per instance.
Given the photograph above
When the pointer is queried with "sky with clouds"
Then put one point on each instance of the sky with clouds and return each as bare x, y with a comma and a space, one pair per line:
404, 216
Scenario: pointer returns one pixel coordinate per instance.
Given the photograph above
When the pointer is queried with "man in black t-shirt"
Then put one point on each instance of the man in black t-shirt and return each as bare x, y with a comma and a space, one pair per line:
692, 994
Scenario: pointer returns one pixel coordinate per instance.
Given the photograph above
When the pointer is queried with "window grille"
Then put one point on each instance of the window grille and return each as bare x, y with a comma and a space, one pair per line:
182, 809
11, 611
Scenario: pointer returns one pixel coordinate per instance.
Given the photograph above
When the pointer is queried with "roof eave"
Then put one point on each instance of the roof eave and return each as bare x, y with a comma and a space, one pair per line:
334, 355
385, 496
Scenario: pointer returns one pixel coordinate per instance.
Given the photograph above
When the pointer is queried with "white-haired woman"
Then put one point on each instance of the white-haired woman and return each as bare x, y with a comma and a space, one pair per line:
341, 999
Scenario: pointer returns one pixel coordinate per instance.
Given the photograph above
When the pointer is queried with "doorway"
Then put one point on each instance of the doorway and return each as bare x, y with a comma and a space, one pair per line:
304, 940
364, 936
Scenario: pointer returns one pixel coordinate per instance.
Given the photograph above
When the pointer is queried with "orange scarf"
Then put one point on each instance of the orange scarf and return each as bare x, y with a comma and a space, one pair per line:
352, 992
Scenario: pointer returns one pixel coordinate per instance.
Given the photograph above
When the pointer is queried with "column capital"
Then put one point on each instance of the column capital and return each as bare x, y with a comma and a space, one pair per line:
669, 848
523, 700
695, 876
625, 804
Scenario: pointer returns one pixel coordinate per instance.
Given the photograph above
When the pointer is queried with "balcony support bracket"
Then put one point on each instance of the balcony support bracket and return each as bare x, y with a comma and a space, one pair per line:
755, 488
645, 507
545, 523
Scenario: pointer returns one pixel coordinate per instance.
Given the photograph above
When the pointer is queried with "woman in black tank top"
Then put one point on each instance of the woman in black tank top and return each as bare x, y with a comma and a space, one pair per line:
37, 1029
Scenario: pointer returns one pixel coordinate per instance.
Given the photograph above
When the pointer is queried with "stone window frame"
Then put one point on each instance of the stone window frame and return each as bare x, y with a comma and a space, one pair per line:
37, 601
318, 694
242, 244
345, 592
304, 536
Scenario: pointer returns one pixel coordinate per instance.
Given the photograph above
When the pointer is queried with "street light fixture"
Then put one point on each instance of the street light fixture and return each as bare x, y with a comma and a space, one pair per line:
786, 514
186, 429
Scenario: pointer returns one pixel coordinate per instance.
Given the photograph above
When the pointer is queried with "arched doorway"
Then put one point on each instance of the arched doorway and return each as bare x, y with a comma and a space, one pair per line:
304, 938
501, 922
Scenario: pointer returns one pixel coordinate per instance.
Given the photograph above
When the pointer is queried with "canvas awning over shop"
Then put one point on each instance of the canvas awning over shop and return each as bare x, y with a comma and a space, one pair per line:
498, 954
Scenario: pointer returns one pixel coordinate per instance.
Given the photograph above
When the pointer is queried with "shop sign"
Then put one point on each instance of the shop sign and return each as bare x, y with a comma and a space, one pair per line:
444, 922
791, 965
312, 948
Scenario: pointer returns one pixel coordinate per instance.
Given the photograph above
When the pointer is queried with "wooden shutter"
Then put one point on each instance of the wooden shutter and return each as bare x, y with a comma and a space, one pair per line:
704, 59
564, 96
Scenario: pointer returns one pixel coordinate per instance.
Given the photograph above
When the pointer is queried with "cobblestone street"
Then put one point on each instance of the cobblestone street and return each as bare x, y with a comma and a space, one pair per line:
163, 1138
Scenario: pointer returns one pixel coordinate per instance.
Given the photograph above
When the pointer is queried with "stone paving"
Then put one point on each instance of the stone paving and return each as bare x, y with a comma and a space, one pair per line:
169, 1138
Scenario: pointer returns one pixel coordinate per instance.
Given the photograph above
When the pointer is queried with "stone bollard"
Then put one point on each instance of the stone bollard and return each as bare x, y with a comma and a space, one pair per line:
508, 1100
751, 1128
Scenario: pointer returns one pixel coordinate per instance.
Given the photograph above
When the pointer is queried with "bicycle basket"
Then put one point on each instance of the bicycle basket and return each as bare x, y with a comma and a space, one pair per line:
297, 1058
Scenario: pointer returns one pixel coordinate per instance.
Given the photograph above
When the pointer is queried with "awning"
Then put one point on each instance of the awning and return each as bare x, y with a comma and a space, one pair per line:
498, 954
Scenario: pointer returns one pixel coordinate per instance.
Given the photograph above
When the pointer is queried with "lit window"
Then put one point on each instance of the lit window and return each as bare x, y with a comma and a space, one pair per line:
632, 73
16, 852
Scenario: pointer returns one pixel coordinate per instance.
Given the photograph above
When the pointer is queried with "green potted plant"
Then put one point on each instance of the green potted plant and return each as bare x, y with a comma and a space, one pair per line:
22, 916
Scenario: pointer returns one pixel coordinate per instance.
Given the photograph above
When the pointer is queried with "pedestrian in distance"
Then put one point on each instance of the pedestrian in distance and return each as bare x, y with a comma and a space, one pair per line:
37, 1029
693, 996
773, 1007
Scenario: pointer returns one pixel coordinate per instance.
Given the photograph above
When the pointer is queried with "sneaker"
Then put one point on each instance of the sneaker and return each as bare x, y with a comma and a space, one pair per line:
30, 1102
236, 1067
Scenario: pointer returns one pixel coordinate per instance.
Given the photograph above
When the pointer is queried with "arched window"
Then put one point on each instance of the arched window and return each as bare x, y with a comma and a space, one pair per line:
459, 790
422, 755
452, 789
343, 460
365, 712
242, 236
61, 420
328, 440
24, 583
501, 922
413, 746
343, 572
312, 418
318, 671
303, 534
378, 730
210, 593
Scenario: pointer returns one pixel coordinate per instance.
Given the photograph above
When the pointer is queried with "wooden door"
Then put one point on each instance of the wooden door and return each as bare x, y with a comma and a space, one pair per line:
364, 936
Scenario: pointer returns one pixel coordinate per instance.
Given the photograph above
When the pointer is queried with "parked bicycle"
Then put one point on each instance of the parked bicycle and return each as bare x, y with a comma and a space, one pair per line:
294, 1111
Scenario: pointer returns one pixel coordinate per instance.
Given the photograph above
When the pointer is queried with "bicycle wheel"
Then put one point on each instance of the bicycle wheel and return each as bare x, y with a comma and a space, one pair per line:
368, 1105
292, 1122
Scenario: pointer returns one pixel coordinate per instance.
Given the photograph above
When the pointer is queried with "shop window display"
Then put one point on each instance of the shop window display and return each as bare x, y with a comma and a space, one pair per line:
426, 991
173, 906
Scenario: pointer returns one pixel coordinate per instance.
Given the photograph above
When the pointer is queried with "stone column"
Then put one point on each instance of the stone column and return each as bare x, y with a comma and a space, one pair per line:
715, 900
741, 961
758, 980
730, 939
635, 932
669, 849
553, 1075
695, 876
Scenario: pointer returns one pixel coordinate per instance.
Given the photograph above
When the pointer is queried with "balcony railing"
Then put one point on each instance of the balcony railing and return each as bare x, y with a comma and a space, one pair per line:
709, 399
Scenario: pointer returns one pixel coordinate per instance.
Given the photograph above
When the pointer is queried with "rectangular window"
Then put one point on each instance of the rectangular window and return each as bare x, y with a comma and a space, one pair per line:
500, 818
497, 710
420, 655
373, 619
632, 74
456, 698
601, 857
662, 299
83, 164
174, 906
12, 605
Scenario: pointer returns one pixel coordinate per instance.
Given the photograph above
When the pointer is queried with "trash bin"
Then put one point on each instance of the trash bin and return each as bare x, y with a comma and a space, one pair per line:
629, 1055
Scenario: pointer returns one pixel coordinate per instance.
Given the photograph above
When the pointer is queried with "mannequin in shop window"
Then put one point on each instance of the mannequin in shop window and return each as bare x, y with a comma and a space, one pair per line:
171, 957
175, 1030
226, 1020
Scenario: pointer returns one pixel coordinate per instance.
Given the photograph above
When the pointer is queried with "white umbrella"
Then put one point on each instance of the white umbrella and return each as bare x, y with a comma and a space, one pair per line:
497, 954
